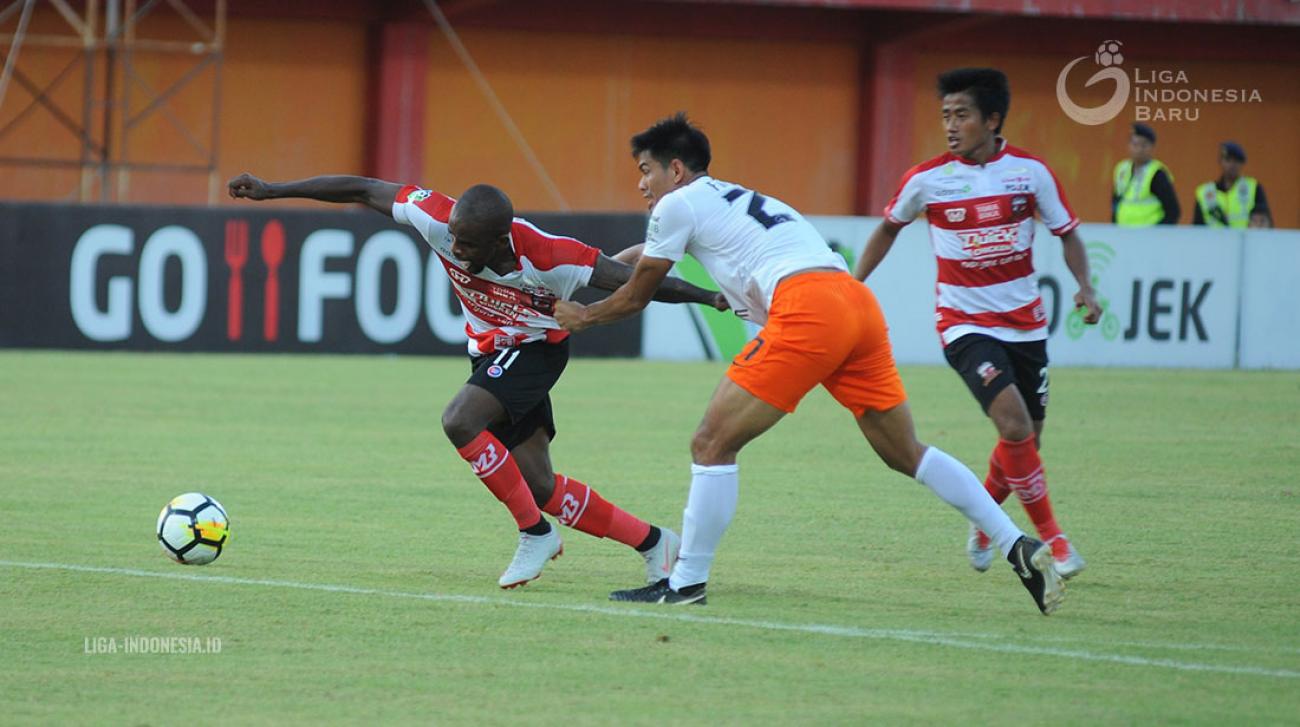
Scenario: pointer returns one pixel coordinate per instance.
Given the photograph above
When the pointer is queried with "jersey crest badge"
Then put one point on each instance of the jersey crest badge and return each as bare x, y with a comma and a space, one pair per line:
986, 371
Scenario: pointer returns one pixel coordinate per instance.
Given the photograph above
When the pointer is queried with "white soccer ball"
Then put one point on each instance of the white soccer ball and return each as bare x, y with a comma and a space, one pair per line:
193, 528
1108, 54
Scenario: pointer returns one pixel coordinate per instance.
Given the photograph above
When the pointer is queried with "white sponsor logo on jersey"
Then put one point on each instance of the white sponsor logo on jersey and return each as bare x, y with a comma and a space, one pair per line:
990, 241
955, 215
986, 211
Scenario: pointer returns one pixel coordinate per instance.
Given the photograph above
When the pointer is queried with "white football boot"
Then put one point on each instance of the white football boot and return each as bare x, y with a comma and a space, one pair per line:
1073, 563
660, 559
530, 556
981, 554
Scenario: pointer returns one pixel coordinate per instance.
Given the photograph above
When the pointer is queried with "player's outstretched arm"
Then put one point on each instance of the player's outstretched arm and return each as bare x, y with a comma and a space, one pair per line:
878, 246
1076, 259
610, 273
342, 189
631, 298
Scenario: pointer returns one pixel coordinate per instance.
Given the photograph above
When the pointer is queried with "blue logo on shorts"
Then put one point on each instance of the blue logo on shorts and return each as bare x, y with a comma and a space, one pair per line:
495, 371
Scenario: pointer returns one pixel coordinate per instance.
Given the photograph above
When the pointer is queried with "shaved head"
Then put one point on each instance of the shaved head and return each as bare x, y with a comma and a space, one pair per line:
485, 209
480, 230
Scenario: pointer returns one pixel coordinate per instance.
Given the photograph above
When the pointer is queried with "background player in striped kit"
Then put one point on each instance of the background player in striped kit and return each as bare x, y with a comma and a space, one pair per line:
508, 275
980, 199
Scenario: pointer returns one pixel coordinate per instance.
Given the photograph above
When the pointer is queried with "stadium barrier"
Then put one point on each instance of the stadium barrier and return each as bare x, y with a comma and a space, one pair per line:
247, 279
327, 280
1173, 297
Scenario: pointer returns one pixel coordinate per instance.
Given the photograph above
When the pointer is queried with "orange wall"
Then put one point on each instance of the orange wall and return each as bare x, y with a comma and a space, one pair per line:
294, 99
288, 108
781, 115
1084, 157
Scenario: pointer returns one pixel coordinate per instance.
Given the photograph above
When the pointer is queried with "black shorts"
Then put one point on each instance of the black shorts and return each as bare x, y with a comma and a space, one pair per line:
989, 365
521, 379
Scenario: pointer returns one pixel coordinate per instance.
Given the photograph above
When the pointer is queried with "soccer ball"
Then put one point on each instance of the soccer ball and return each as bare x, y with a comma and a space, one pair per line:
1108, 54
193, 528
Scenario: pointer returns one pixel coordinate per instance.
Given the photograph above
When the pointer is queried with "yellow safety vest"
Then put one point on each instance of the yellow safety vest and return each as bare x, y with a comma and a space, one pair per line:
1137, 206
1235, 204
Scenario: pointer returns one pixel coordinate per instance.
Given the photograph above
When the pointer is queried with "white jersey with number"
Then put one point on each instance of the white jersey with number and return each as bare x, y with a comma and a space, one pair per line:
747, 242
982, 230
503, 311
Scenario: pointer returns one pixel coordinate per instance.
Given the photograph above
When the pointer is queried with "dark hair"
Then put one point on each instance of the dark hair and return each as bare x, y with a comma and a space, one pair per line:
1233, 150
487, 208
1144, 131
675, 138
987, 86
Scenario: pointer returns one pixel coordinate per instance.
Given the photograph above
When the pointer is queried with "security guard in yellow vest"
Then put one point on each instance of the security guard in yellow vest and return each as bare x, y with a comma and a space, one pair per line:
1232, 200
1144, 187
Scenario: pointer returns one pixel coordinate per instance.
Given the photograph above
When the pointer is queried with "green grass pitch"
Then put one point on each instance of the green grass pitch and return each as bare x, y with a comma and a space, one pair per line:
360, 580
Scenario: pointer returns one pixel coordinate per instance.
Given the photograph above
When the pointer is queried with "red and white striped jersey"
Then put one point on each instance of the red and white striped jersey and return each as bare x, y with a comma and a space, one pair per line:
502, 311
982, 230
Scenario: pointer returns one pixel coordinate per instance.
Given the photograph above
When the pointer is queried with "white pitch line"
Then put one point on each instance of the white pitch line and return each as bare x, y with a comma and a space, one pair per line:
905, 635
1113, 643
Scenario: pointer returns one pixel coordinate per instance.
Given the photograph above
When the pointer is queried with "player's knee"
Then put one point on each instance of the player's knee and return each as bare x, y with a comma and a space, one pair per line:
707, 448
906, 460
1013, 425
1014, 429
458, 427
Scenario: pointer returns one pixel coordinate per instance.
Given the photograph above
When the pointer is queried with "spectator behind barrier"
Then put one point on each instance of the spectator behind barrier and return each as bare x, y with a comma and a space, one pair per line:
1232, 200
1144, 186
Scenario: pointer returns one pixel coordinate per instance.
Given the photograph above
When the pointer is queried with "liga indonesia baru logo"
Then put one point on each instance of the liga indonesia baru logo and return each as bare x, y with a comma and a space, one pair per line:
1161, 94
1109, 57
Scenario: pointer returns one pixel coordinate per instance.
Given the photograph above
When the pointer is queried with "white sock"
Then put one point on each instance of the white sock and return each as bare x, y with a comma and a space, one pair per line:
956, 485
709, 508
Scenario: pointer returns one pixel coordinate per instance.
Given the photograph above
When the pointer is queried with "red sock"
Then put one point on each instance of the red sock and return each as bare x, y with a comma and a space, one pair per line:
996, 481
582, 508
996, 485
1024, 474
492, 463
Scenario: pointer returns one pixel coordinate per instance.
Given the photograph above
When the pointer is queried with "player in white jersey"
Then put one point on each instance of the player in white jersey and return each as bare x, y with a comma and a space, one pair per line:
980, 199
508, 275
820, 326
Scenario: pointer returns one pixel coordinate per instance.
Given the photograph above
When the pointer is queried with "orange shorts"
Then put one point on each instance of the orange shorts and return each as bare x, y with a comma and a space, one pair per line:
824, 328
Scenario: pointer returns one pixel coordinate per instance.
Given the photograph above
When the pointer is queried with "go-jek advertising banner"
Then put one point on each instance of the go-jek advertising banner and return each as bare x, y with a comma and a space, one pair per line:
1171, 296
1166, 301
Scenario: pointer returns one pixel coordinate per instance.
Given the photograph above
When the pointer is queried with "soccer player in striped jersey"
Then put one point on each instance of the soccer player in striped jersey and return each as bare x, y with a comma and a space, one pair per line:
820, 326
508, 276
980, 199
